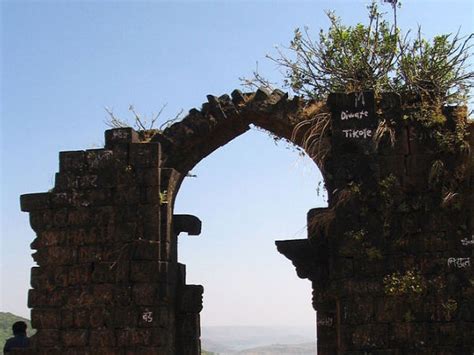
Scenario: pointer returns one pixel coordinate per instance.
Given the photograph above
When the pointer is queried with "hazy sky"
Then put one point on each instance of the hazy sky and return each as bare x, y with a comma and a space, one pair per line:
63, 61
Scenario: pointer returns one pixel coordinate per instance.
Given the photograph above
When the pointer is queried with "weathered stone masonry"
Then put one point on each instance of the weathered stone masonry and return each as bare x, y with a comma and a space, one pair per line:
387, 258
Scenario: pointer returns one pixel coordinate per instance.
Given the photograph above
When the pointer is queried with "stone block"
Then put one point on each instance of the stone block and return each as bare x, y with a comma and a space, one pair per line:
358, 310
100, 159
162, 337
93, 181
145, 155
148, 317
67, 318
72, 161
126, 175
431, 263
47, 337
90, 254
127, 195
353, 287
107, 351
151, 195
188, 325
120, 136
65, 181
55, 255
70, 181
80, 274
45, 318
148, 177
418, 144
392, 164
101, 317
126, 231
449, 334
81, 317
370, 336
102, 338
186, 223
342, 268
146, 271
399, 148
165, 292
66, 199
164, 316
74, 337
133, 337
191, 299
39, 278
41, 220
419, 165
77, 296
363, 266
144, 294
35, 202
146, 250
104, 293
48, 278
90, 216
166, 253
466, 310
49, 238
125, 317
128, 213
146, 350
238, 98
86, 236
97, 197
104, 272
78, 351
60, 218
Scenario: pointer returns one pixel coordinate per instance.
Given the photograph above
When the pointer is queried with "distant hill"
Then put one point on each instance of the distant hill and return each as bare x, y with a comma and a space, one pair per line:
232, 339
6, 321
279, 349
225, 340
276, 349
259, 340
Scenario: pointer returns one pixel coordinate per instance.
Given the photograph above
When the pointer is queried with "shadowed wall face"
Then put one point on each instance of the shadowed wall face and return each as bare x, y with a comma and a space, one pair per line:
389, 259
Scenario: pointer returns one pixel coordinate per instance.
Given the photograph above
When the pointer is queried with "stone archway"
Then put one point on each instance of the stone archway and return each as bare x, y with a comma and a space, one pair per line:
108, 280
186, 143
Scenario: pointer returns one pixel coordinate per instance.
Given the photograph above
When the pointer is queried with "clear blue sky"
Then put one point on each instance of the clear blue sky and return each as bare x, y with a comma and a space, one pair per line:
63, 61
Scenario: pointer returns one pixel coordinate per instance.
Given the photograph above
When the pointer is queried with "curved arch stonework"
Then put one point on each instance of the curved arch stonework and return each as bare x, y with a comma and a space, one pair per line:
389, 258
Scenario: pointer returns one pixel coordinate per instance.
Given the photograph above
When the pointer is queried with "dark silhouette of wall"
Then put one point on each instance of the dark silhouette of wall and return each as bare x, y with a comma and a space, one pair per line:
389, 259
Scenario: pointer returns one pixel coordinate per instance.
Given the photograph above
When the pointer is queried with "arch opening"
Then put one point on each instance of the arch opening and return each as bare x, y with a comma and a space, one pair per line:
243, 193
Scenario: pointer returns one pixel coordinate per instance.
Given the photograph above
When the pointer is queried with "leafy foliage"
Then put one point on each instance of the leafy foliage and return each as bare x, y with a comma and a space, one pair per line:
437, 70
375, 57
411, 283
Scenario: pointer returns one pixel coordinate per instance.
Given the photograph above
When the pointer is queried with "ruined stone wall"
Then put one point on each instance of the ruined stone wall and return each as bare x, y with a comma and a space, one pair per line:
105, 281
389, 259
108, 280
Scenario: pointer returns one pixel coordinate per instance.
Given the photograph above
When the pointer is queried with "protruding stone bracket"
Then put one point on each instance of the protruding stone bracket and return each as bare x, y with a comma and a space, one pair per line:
191, 299
301, 254
186, 223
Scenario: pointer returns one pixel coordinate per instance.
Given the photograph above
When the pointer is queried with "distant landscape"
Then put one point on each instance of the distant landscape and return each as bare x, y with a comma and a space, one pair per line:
259, 340
230, 340
277, 349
